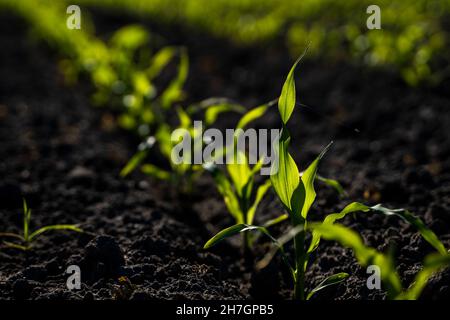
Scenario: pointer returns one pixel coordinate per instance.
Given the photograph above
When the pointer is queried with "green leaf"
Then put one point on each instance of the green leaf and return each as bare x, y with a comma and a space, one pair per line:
261, 191
155, 172
279, 246
225, 189
11, 235
365, 255
174, 92
276, 220
331, 218
159, 61
328, 281
433, 263
130, 37
26, 220
239, 172
134, 161
426, 233
163, 136
213, 111
286, 178
142, 85
226, 233
308, 178
334, 184
40, 231
252, 115
233, 230
16, 246
286, 102
185, 119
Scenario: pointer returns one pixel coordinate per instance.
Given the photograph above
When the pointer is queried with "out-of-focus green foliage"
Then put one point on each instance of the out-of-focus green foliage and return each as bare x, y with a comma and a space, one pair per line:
413, 38
122, 69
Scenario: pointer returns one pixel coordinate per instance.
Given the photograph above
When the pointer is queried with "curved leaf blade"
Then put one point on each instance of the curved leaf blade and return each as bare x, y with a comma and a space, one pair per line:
426, 233
260, 192
226, 233
331, 218
154, 171
328, 281
364, 254
433, 263
40, 231
286, 102
333, 184
134, 161
252, 115
284, 175
308, 177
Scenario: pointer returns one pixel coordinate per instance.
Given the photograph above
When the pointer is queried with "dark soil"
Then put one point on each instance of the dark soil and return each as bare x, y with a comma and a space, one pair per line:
392, 145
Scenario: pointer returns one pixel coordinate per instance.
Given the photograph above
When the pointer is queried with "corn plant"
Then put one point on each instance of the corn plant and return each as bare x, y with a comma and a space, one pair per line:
238, 188
296, 192
182, 175
25, 240
123, 70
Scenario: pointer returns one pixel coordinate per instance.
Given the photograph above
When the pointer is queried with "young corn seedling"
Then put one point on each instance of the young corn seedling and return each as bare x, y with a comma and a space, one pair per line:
181, 174
238, 188
25, 240
296, 192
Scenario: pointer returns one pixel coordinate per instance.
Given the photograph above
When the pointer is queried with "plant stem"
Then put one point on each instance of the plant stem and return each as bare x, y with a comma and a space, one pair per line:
300, 256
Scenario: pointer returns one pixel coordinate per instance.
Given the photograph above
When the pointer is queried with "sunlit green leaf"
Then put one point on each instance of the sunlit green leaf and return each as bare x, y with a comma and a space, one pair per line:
426, 233
331, 218
174, 92
252, 115
308, 178
432, 264
130, 37
227, 192
212, 112
365, 255
239, 172
134, 161
284, 174
159, 61
286, 102
40, 231
328, 281
225, 233
155, 172
260, 192
276, 220
334, 184
238, 228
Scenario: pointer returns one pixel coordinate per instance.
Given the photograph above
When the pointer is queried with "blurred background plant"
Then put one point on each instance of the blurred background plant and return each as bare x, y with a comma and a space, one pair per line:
122, 69
413, 40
